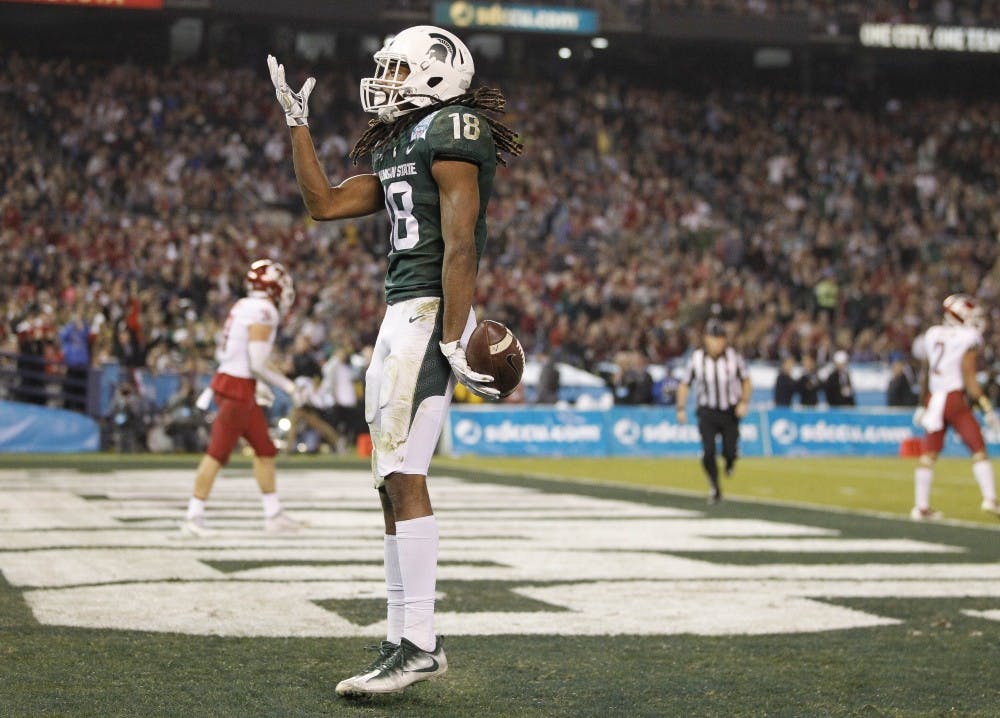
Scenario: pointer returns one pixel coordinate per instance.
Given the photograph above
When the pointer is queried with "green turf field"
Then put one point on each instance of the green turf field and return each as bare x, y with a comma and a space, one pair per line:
616, 593
883, 485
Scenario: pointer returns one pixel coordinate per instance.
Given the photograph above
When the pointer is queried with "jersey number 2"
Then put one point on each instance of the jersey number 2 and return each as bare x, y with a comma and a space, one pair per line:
938, 353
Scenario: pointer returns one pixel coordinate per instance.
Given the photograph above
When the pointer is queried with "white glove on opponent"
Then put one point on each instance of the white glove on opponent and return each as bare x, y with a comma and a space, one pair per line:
992, 420
204, 399
263, 395
295, 104
478, 384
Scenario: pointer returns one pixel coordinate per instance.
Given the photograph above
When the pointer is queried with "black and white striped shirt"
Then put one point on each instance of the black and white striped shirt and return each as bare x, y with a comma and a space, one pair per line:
719, 381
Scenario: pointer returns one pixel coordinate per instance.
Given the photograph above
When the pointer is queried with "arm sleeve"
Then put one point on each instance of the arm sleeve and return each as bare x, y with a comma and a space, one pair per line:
259, 353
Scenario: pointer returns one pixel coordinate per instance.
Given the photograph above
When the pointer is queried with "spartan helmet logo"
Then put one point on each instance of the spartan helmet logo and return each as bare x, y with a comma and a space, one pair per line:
443, 50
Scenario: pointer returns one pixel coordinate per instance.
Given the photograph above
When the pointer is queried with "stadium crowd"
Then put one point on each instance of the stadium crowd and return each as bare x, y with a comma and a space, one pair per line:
134, 198
822, 12
823, 15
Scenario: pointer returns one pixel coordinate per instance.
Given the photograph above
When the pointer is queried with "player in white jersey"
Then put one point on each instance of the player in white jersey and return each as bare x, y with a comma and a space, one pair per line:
241, 386
951, 349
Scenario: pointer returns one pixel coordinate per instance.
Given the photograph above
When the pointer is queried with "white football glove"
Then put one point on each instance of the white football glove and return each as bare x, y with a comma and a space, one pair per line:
298, 396
263, 395
478, 384
204, 399
992, 420
295, 104
918, 417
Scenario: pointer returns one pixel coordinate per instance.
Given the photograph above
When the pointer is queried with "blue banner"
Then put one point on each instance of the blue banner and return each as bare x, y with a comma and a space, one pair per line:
649, 431
654, 431
538, 431
486, 431
847, 432
37, 429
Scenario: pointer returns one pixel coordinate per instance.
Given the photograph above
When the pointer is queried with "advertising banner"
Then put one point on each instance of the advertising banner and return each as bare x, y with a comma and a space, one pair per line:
648, 431
523, 18
538, 431
26, 428
486, 431
837, 431
111, 4
912, 36
654, 431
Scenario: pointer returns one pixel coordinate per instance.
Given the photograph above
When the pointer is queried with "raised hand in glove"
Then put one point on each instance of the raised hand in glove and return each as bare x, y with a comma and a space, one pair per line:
478, 384
295, 104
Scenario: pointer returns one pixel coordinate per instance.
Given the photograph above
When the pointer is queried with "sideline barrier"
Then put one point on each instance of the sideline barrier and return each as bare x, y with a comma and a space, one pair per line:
654, 431
41, 430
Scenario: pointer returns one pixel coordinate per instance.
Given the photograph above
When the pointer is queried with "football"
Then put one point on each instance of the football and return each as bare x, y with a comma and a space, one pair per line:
493, 349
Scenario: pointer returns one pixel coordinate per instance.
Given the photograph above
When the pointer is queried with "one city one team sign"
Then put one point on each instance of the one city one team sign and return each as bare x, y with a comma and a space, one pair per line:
911, 36
522, 18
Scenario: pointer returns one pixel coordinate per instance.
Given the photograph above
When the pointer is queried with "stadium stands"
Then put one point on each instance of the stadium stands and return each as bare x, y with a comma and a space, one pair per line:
134, 194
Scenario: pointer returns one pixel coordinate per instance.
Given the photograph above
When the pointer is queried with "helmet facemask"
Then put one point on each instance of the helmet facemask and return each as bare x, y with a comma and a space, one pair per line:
383, 93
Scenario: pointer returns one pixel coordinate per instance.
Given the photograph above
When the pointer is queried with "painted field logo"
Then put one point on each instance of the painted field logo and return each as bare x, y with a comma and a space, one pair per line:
569, 563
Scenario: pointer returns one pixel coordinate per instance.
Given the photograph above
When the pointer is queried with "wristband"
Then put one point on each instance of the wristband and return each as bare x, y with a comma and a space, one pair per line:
985, 404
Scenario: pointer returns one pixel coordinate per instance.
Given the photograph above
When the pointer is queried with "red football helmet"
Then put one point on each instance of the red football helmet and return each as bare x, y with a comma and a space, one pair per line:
274, 280
963, 310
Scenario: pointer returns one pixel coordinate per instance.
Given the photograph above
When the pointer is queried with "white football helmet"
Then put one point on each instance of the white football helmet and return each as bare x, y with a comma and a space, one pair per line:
963, 310
440, 65
274, 281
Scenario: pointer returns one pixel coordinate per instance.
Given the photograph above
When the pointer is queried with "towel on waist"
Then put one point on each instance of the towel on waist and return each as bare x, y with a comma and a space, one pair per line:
933, 419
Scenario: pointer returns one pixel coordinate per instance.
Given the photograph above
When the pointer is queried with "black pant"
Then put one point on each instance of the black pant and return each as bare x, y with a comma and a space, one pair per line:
712, 423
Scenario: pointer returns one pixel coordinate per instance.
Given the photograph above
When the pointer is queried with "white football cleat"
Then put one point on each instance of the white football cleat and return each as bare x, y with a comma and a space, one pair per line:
195, 526
406, 665
928, 514
991, 506
385, 649
281, 523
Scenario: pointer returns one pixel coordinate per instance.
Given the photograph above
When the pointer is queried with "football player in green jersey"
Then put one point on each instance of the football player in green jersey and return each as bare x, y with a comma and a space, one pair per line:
434, 149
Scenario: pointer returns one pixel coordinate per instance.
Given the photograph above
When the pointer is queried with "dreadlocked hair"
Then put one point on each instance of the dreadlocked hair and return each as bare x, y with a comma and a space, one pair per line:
482, 98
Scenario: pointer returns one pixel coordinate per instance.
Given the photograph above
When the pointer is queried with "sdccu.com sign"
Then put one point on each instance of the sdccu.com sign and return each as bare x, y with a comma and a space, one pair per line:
654, 431
534, 431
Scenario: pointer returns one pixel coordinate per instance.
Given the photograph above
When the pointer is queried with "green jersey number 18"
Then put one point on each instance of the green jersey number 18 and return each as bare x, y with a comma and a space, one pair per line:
405, 231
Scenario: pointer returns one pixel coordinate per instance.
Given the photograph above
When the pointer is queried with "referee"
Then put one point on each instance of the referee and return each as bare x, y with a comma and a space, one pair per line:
723, 389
